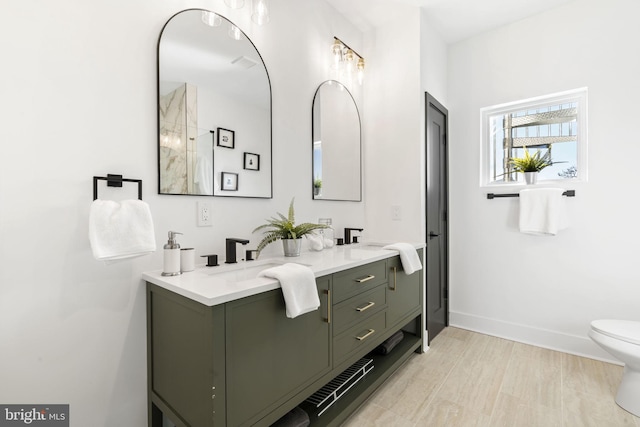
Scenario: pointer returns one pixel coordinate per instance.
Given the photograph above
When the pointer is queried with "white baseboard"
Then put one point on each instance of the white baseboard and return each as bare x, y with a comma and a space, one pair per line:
545, 338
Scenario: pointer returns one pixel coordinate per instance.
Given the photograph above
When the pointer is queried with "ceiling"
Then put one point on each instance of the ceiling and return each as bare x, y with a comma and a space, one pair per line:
455, 20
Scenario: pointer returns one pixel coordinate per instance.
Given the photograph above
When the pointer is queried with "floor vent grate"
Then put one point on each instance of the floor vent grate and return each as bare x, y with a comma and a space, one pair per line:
337, 387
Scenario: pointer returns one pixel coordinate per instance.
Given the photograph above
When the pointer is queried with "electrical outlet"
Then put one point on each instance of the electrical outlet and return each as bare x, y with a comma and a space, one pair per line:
204, 214
396, 213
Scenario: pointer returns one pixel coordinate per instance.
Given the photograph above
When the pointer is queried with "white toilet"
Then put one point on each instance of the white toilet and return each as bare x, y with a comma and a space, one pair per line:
621, 338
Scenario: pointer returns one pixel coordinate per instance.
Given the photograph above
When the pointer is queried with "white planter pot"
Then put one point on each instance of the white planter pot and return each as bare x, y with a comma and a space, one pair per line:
530, 177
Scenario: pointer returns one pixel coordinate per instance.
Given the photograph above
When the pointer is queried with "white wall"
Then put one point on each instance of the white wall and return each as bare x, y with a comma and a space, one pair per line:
393, 134
546, 290
433, 65
79, 99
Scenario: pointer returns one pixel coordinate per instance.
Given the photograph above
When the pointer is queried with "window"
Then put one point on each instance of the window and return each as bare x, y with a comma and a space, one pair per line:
555, 123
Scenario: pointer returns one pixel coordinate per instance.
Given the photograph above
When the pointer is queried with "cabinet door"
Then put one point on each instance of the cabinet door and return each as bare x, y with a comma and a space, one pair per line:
271, 357
404, 292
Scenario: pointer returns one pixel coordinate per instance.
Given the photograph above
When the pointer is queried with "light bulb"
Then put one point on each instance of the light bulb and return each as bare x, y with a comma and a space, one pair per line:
349, 62
234, 4
260, 11
211, 19
360, 68
336, 49
349, 56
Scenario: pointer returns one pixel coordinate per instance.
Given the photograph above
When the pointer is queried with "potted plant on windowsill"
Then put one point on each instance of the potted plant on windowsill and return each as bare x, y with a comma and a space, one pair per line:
284, 228
530, 165
317, 185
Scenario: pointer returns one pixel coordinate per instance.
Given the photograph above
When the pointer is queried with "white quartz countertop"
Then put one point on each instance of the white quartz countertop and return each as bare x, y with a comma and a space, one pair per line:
227, 282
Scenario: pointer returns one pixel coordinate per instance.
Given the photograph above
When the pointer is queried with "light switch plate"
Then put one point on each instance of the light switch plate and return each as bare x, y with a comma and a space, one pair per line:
396, 213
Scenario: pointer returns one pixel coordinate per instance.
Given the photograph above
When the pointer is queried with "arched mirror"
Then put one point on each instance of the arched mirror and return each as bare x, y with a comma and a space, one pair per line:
336, 144
214, 109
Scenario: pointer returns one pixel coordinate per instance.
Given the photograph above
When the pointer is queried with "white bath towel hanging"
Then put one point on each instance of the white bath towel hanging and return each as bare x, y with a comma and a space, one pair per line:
408, 257
542, 211
298, 287
120, 230
204, 175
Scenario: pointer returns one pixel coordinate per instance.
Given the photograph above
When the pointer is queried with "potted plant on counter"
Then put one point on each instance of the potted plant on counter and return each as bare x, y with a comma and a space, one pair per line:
284, 228
530, 165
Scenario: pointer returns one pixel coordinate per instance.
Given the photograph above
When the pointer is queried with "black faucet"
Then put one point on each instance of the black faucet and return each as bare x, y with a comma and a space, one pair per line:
347, 234
231, 249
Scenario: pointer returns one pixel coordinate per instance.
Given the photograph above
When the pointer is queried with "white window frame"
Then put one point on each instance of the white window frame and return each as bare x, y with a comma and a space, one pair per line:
487, 152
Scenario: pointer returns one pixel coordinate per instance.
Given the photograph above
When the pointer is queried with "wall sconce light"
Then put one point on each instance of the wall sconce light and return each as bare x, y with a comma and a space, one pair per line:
214, 20
234, 4
344, 59
260, 11
211, 19
234, 32
259, 15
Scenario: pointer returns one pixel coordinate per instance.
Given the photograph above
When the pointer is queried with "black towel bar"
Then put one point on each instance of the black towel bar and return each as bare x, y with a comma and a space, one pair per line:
114, 181
568, 193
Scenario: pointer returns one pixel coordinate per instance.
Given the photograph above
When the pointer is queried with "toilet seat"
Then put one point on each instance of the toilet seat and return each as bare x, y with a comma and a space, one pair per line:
625, 330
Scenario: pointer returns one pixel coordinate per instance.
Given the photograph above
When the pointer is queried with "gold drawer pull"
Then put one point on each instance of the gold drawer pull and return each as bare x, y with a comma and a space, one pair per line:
371, 331
366, 278
366, 307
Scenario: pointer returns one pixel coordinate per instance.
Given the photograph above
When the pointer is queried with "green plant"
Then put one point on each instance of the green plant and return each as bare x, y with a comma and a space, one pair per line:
284, 227
317, 183
531, 163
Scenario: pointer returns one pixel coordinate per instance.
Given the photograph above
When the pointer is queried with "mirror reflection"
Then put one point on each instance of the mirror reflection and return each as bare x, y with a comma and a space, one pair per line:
214, 109
336, 144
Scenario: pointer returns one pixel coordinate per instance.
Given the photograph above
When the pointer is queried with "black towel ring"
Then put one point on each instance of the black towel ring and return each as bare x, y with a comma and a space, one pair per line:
115, 181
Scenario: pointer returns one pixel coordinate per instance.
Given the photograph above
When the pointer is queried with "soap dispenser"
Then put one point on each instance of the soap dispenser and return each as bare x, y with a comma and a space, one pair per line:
171, 256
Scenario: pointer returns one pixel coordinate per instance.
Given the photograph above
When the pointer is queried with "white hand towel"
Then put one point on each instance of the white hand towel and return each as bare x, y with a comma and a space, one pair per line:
542, 211
120, 230
298, 287
408, 256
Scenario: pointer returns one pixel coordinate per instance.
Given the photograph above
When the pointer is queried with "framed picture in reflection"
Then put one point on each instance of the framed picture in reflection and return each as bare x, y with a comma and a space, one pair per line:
226, 138
229, 181
252, 161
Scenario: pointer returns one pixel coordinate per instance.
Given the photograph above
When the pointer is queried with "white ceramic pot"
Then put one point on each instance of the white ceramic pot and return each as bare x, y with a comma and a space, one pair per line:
530, 177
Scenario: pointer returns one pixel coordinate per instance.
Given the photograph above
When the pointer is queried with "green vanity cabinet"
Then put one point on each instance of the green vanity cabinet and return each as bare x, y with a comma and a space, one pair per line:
235, 363
244, 363
271, 358
185, 364
404, 293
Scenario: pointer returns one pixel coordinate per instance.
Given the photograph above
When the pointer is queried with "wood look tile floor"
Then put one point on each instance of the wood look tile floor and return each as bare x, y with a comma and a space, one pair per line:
470, 379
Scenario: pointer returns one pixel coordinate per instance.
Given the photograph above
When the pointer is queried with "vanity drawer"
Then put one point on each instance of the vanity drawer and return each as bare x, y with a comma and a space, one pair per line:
362, 336
359, 279
358, 308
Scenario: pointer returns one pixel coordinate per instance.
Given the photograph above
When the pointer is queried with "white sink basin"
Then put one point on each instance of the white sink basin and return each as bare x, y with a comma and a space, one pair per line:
242, 271
369, 246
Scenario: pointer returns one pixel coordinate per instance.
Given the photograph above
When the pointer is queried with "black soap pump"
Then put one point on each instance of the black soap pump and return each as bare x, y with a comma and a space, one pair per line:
171, 256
